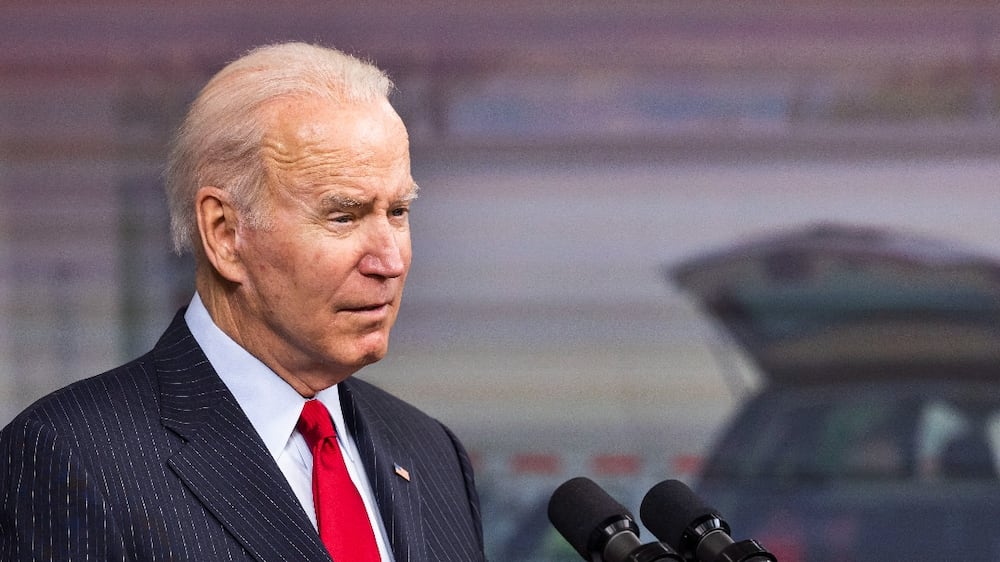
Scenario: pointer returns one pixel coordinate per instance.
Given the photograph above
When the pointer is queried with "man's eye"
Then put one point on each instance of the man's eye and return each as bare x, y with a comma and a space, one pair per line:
341, 219
399, 212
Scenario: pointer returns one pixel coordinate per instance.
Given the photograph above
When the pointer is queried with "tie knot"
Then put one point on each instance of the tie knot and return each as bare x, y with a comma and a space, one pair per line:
315, 423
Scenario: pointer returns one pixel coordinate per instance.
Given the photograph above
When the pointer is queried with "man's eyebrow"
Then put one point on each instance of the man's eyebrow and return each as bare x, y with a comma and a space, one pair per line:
340, 201
336, 200
411, 194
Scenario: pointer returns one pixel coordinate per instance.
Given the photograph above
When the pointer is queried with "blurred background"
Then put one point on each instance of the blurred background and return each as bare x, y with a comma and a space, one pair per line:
569, 154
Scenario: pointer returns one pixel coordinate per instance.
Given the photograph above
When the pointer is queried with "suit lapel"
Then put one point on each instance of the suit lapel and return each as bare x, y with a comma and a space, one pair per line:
390, 470
224, 462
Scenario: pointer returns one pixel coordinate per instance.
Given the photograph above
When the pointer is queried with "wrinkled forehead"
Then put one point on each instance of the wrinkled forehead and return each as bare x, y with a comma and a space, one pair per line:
302, 122
310, 141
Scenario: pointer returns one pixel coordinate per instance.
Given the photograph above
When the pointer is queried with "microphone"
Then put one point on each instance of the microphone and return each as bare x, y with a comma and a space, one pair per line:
600, 528
672, 512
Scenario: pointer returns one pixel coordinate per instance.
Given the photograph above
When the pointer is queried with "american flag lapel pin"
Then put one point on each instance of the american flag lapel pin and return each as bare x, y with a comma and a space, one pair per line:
401, 472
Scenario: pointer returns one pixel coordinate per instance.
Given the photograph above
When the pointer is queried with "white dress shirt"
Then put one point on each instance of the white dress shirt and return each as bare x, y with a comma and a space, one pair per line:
273, 407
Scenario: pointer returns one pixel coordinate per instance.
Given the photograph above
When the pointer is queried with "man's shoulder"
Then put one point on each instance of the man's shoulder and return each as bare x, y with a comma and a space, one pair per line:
112, 393
122, 390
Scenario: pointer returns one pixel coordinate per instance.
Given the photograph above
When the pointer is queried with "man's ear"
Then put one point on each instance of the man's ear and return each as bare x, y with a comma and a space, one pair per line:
217, 227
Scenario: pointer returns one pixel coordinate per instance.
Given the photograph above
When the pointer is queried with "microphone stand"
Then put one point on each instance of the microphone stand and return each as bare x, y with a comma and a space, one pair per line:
619, 541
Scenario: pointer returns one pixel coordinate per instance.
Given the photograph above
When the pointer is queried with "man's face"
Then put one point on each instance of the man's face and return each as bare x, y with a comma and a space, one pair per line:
323, 284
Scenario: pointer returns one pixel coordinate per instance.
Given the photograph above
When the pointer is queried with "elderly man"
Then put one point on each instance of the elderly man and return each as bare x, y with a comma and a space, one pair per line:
241, 435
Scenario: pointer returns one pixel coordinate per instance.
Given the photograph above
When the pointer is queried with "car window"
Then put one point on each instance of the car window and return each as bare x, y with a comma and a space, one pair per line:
992, 428
959, 440
875, 435
819, 438
940, 424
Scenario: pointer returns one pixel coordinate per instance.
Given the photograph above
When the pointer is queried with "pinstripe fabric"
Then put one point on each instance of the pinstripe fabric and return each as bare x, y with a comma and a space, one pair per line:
155, 461
434, 515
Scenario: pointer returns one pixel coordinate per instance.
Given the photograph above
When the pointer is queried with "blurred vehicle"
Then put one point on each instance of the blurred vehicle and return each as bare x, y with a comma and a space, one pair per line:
876, 434
516, 507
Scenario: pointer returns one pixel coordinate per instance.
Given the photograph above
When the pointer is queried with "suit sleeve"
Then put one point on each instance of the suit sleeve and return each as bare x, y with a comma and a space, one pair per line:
470, 486
50, 508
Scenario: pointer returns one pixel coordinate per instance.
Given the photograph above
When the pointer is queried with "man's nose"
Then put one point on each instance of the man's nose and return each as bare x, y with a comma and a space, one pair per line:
384, 256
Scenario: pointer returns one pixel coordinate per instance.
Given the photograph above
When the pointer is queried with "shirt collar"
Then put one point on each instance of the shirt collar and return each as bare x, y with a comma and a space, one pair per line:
270, 403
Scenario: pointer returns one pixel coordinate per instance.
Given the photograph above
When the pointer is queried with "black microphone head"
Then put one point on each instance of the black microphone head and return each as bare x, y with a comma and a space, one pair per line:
677, 516
580, 510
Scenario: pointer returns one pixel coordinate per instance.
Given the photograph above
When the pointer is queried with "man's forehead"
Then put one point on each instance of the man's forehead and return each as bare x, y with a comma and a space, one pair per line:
306, 116
348, 156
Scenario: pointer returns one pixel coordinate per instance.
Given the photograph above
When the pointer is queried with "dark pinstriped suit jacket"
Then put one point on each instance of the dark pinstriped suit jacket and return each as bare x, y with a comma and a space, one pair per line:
155, 460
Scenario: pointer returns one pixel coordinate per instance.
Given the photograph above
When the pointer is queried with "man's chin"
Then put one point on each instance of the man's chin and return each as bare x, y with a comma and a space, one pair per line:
370, 352
372, 357
341, 353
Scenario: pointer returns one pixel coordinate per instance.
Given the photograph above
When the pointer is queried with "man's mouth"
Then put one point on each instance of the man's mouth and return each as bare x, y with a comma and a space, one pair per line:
367, 307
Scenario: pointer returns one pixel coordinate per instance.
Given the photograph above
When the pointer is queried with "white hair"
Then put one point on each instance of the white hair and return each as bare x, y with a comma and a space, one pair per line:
219, 141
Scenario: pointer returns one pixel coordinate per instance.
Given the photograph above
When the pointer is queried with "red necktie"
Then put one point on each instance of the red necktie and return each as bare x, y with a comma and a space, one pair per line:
340, 513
